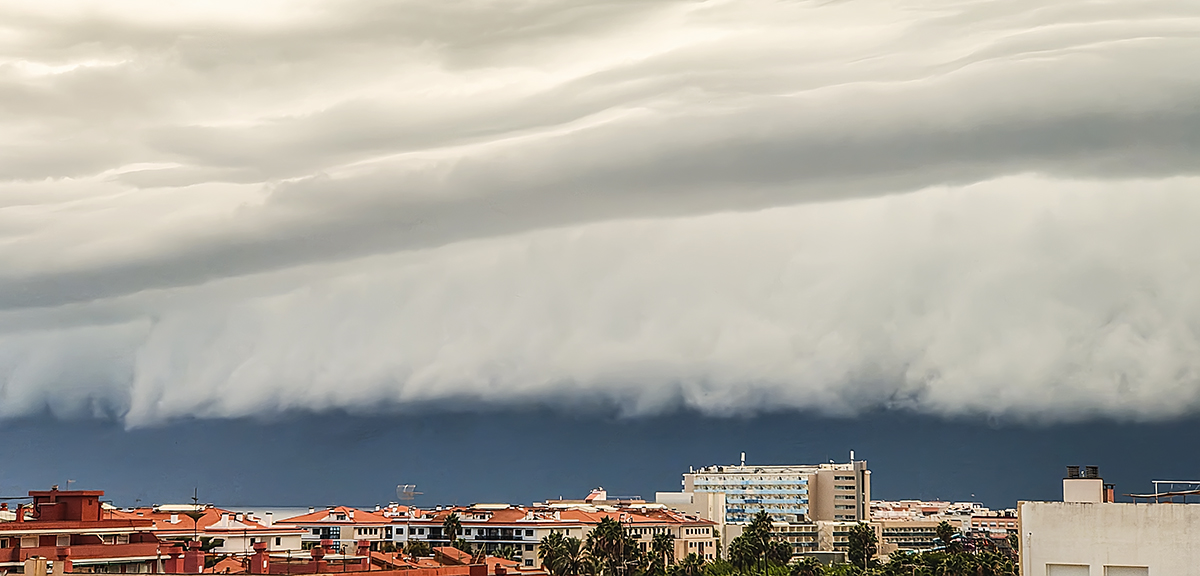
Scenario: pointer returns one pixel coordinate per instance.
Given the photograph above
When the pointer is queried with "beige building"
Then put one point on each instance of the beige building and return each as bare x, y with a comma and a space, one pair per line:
494, 527
1089, 535
803, 500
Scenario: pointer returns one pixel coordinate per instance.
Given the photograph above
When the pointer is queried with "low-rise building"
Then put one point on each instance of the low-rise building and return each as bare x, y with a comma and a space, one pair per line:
74, 532
346, 527
234, 532
520, 529
1088, 534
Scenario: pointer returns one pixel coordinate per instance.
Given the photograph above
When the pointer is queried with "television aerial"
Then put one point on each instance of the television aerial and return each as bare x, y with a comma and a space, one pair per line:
407, 493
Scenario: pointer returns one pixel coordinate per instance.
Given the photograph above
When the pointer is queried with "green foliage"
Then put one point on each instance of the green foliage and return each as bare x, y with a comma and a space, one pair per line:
945, 532
718, 568
451, 526
806, 566
614, 551
862, 545
985, 563
1014, 542
691, 565
463, 545
562, 556
417, 548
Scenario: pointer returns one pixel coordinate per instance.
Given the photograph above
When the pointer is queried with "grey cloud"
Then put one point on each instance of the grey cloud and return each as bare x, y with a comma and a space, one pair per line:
182, 156
1024, 297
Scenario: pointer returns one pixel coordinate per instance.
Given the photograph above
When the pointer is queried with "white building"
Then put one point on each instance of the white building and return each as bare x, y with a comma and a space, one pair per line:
791, 493
1089, 535
801, 499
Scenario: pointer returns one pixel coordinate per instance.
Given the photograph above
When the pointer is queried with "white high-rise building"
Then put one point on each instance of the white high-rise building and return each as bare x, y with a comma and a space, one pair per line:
790, 493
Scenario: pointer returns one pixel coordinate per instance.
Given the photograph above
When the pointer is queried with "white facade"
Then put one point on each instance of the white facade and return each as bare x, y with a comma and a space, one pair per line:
1109, 539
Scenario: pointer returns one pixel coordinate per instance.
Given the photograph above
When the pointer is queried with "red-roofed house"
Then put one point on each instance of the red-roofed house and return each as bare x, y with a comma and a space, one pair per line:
238, 532
71, 529
495, 527
344, 526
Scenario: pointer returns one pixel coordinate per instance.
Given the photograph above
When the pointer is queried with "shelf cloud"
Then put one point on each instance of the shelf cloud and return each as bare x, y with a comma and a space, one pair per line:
235, 209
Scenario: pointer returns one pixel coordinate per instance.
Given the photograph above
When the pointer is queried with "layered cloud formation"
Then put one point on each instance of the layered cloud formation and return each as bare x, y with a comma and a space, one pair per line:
216, 210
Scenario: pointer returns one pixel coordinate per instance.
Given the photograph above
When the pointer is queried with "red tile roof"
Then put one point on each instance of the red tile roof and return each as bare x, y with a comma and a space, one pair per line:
214, 520
227, 565
329, 516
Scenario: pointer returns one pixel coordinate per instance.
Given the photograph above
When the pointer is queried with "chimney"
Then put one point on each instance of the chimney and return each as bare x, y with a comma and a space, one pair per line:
1072, 471
311, 509
743, 458
225, 518
174, 518
269, 519
240, 517
1091, 472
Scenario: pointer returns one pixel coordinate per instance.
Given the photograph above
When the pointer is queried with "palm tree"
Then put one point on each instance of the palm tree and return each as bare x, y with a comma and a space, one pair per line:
613, 548
862, 544
573, 559
662, 550
549, 550
778, 553
945, 532
451, 527
417, 548
741, 553
691, 565
805, 566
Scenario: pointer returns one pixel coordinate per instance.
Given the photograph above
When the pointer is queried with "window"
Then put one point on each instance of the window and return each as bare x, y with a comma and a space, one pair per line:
529, 547
63, 540
529, 532
29, 541
278, 541
528, 562
316, 531
253, 540
3, 542
1067, 570
1126, 571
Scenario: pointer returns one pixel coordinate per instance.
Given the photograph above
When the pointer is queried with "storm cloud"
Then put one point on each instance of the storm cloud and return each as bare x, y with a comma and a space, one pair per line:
230, 209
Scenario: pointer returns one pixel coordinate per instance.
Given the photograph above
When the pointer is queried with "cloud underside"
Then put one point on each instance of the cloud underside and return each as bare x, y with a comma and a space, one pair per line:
952, 208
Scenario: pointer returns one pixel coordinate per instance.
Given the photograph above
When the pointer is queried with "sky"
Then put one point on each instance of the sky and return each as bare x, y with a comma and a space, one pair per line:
233, 218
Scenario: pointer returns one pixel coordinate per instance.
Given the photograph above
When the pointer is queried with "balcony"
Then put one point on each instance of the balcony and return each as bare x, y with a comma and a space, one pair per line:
498, 537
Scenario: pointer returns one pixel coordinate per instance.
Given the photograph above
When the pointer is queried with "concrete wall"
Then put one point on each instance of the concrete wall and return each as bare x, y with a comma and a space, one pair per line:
1083, 490
1070, 538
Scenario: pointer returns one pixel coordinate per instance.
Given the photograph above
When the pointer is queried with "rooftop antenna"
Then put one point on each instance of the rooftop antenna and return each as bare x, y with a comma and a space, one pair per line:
407, 494
195, 514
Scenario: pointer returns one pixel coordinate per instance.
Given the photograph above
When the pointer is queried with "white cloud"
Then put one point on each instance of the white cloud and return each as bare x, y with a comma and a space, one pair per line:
224, 209
1025, 297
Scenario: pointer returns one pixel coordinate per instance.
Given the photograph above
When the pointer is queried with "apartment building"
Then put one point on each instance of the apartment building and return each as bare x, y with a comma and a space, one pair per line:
345, 526
494, 527
789, 493
1088, 534
907, 534
73, 531
237, 532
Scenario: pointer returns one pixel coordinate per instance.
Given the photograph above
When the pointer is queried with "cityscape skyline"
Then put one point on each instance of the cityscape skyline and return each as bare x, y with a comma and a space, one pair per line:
252, 463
